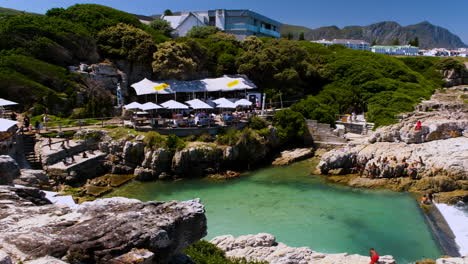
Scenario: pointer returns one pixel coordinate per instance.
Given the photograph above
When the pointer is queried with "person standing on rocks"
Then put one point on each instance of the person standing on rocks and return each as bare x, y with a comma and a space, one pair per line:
374, 257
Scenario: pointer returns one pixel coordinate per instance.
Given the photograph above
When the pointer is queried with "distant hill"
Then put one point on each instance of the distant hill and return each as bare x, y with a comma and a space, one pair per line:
430, 36
4, 10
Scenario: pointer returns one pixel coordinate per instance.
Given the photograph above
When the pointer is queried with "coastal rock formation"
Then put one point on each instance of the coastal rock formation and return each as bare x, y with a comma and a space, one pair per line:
263, 247
98, 231
197, 161
9, 170
444, 116
439, 174
32, 178
433, 158
461, 260
290, 156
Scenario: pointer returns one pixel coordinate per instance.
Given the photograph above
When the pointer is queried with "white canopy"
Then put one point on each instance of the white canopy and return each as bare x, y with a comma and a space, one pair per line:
150, 106
133, 105
224, 103
222, 84
198, 104
171, 104
243, 102
6, 124
4, 102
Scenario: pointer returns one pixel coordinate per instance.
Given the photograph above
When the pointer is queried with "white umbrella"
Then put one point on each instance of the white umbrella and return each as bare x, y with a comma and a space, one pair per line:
150, 106
224, 103
171, 104
198, 104
133, 105
243, 102
6, 124
4, 102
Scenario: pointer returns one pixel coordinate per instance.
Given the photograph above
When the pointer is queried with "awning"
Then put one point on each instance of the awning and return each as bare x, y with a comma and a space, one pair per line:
6, 124
150, 106
243, 102
133, 105
171, 104
226, 83
198, 104
4, 102
224, 103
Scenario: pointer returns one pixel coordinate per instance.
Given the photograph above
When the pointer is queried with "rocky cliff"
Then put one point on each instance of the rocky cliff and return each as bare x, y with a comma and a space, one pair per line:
430, 36
431, 158
102, 231
263, 247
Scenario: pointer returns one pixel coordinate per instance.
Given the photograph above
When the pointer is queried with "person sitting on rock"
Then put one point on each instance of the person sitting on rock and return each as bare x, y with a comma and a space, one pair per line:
374, 257
412, 171
84, 155
418, 126
425, 200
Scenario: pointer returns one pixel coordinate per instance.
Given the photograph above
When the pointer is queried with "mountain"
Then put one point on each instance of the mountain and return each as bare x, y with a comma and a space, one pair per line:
430, 36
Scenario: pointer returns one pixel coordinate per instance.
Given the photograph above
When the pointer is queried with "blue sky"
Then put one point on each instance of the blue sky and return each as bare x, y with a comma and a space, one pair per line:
452, 15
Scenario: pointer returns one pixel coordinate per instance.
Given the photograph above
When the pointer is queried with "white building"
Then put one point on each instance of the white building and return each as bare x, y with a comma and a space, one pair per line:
406, 50
241, 23
349, 43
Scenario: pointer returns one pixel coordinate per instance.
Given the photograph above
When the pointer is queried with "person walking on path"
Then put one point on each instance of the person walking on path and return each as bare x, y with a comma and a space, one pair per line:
374, 257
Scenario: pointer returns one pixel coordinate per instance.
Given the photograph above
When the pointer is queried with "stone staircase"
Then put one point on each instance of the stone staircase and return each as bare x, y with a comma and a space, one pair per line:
322, 134
29, 143
79, 169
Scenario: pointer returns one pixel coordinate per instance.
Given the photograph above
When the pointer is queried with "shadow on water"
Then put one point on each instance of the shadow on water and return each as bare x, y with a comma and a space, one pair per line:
301, 210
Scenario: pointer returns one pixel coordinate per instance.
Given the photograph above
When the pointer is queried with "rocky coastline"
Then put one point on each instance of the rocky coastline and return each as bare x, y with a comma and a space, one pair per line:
432, 158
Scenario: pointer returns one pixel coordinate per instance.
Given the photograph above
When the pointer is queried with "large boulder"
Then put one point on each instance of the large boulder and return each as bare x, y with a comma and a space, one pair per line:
133, 153
98, 231
263, 247
32, 178
9, 170
197, 161
158, 160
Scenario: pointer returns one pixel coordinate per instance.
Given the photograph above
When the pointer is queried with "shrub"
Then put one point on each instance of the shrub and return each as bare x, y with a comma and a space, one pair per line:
174, 143
257, 122
290, 125
229, 137
203, 252
154, 140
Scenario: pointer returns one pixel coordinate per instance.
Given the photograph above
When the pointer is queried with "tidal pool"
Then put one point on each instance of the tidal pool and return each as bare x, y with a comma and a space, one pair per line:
301, 210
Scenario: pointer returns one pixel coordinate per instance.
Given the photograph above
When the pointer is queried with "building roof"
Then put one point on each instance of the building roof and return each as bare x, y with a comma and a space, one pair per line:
223, 84
178, 20
6, 124
349, 41
393, 47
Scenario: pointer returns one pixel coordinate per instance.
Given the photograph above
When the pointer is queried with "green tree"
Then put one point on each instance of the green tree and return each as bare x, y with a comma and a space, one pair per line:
301, 36
202, 31
414, 42
94, 17
126, 42
290, 36
396, 42
280, 66
179, 60
163, 26
168, 12
373, 43
289, 124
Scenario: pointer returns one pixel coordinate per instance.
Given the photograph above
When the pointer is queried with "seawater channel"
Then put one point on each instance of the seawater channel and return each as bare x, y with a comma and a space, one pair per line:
301, 210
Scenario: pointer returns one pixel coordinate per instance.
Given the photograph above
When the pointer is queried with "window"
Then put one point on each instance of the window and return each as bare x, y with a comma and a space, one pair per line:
212, 21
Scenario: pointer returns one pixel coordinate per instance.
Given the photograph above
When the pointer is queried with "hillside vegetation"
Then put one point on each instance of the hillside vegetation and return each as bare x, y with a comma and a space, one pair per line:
327, 81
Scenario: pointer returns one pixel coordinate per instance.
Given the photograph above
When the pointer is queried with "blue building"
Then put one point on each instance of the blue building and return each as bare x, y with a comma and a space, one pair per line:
241, 23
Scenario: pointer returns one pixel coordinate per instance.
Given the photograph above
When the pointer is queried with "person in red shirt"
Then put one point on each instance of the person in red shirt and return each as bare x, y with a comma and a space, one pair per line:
374, 257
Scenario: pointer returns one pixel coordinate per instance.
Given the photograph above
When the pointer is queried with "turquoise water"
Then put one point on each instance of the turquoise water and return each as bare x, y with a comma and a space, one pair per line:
301, 210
